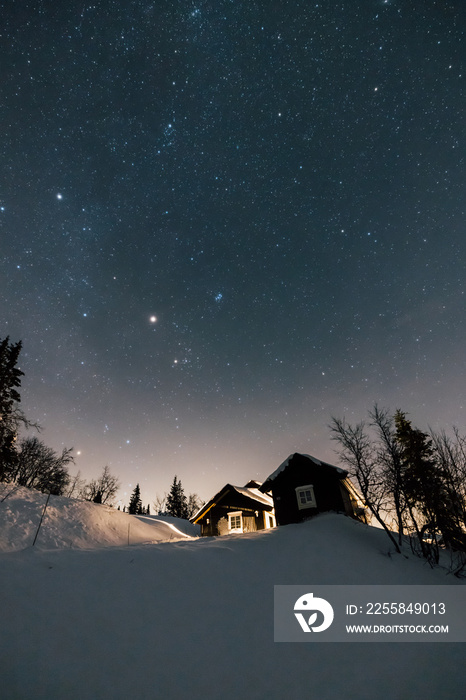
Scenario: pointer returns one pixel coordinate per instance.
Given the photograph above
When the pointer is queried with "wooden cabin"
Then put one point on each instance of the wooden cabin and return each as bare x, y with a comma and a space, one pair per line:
303, 486
236, 509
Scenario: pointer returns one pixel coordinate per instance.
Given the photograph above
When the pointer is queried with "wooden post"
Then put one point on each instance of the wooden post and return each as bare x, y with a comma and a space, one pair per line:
41, 518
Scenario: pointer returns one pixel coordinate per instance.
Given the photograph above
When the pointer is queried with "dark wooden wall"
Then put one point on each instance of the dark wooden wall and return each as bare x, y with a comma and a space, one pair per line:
302, 472
218, 516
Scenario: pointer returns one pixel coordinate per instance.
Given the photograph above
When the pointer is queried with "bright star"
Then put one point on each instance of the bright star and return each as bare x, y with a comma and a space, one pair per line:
153, 319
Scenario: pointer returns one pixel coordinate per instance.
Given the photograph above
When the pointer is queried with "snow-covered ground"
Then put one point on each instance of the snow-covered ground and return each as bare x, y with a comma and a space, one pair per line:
87, 617
77, 524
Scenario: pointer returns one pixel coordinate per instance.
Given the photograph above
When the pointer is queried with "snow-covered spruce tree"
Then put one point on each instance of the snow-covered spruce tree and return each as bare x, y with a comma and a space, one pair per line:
135, 503
177, 503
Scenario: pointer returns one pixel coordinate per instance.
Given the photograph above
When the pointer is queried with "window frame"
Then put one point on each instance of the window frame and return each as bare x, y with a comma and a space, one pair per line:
308, 503
235, 514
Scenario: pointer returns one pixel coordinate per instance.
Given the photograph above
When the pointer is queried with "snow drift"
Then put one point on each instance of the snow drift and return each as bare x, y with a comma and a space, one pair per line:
77, 524
194, 617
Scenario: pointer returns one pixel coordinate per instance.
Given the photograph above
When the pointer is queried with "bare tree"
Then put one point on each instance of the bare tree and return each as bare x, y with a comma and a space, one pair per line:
75, 486
40, 467
451, 457
357, 452
389, 459
103, 489
160, 504
194, 504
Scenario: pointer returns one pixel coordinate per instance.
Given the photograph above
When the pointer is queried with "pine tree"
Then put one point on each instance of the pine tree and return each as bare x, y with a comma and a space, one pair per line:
10, 415
429, 501
135, 504
177, 504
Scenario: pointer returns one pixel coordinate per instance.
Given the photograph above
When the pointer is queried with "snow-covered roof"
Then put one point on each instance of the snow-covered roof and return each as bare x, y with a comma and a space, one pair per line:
285, 464
253, 493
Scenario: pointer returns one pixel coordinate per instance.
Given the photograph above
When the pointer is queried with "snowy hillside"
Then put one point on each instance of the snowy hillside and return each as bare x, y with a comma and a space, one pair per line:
193, 618
77, 524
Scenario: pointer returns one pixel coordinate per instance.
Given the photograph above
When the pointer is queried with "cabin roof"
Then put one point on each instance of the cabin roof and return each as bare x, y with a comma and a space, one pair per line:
253, 494
267, 485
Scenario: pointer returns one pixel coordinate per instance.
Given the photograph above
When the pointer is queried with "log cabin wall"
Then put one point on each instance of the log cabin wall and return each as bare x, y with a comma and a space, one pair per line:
215, 522
326, 486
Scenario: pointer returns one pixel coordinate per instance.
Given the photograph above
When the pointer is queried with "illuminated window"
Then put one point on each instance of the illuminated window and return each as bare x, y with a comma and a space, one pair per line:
235, 522
306, 497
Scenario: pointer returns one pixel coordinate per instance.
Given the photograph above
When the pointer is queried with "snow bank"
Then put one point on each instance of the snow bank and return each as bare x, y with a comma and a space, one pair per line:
183, 526
76, 524
193, 618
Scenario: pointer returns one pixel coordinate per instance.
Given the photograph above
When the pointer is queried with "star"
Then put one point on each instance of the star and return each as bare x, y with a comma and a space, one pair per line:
273, 206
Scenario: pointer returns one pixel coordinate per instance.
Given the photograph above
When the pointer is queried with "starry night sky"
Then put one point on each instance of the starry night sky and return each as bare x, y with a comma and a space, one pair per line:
280, 185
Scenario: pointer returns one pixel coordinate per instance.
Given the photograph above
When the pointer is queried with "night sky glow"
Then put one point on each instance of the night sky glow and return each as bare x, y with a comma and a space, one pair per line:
224, 222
